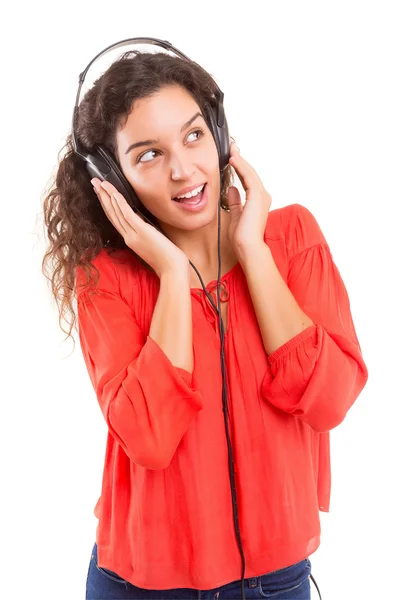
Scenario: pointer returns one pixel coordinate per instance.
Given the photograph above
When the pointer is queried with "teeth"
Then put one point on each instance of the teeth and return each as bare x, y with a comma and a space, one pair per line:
192, 193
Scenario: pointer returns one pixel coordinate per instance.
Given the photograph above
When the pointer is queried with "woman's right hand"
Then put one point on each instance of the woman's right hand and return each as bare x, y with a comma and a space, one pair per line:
144, 239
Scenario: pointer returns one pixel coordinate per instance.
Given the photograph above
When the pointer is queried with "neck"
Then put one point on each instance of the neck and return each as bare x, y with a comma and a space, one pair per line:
201, 245
204, 251
206, 260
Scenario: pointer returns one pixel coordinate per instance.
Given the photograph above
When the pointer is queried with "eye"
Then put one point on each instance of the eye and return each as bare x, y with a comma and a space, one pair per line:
200, 131
139, 159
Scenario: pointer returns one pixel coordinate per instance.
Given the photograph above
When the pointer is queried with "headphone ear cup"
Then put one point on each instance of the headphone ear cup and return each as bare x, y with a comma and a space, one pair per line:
101, 164
221, 134
117, 178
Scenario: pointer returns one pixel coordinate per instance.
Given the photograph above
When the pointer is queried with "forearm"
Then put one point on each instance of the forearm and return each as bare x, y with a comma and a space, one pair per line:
171, 325
279, 316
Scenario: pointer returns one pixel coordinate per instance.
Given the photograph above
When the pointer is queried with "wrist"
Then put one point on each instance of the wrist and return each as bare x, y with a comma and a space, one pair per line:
175, 272
251, 252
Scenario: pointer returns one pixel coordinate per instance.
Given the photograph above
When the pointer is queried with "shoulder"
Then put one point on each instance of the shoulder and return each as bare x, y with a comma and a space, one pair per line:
114, 270
296, 227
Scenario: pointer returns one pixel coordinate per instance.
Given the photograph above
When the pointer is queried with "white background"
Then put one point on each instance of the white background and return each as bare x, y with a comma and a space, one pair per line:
312, 98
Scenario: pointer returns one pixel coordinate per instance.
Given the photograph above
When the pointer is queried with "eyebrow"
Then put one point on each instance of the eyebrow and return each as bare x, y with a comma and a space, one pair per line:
148, 142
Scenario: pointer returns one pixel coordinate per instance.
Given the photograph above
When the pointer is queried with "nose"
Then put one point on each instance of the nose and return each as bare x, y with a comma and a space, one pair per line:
181, 167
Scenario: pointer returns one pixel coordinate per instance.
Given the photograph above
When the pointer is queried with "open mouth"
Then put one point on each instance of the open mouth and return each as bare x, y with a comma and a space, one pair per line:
192, 200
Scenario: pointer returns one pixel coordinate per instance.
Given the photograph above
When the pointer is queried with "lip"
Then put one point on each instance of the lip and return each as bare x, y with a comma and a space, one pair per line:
203, 202
187, 189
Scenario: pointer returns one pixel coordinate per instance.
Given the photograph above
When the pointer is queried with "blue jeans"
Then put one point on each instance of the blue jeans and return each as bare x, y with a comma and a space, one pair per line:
289, 583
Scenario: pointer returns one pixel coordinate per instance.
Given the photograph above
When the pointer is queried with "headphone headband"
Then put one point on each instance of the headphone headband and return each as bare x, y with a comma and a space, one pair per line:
136, 40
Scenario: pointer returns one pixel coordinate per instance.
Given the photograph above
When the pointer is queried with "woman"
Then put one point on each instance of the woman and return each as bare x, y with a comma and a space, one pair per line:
151, 344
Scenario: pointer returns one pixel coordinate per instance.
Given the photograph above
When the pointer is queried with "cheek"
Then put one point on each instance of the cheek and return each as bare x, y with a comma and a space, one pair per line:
144, 191
154, 198
211, 161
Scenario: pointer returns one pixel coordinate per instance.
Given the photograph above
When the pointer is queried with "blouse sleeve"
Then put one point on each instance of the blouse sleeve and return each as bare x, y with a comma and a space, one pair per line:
318, 374
147, 402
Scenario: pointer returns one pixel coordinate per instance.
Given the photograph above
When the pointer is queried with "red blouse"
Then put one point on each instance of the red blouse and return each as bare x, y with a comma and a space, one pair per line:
165, 510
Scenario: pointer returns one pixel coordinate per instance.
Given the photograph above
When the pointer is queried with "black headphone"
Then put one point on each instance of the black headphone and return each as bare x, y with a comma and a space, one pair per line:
101, 164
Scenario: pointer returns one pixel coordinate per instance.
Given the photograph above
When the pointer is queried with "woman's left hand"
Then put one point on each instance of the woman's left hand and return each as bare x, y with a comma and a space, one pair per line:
248, 222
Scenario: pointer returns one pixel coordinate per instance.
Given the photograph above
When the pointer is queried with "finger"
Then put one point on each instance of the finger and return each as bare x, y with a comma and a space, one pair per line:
109, 187
234, 148
104, 200
242, 172
115, 203
247, 174
126, 215
234, 200
124, 226
125, 211
109, 209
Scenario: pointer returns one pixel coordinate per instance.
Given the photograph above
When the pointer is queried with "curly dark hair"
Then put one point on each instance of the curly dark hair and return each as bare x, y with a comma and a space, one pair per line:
76, 225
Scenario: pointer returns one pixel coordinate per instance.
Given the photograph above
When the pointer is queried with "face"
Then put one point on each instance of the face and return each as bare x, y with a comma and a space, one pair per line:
171, 151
